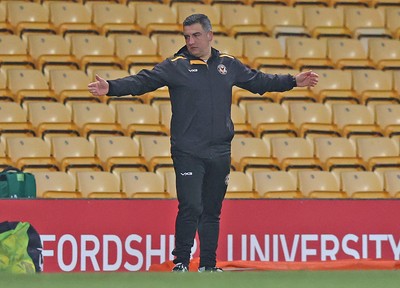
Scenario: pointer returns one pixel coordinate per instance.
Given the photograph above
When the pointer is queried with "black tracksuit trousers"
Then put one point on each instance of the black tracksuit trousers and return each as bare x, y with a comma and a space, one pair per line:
201, 186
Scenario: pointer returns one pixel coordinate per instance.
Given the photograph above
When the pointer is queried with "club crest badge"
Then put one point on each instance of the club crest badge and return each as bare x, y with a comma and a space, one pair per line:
222, 69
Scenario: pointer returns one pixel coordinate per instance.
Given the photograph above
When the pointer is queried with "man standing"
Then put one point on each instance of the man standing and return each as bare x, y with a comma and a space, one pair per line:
200, 81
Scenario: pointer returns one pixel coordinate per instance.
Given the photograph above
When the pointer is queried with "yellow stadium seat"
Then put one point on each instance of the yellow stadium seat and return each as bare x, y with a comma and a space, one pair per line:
71, 18
308, 53
143, 185
119, 154
114, 18
312, 119
325, 22
75, 154
249, 154
385, 53
94, 50
55, 184
337, 154
71, 85
98, 184
94, 119
348, 54
319, 184
335, 86
51, 119
29, 85
263, 52
27, 17
14, 121
30, 153
355, 120
365, 22
294, 153
157, 151
13, 53
136, 50
269, 120
156, 18
392, 183
283, 21
392, 21
276, 184
363, 184
139, 119
379, 152
238, 116
240, 186
374, 87
242, 20
51, 52
388, 118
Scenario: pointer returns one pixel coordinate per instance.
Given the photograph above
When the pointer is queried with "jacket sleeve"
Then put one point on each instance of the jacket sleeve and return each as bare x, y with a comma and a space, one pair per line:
258, 82
141, 83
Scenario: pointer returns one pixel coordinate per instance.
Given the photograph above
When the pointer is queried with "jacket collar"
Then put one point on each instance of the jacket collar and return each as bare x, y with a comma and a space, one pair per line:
185, 52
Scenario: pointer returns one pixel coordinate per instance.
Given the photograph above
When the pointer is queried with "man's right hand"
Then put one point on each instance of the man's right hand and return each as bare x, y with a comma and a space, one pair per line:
100, 87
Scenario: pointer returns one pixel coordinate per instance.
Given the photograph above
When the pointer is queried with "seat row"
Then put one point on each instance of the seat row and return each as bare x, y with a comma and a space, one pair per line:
92, 184
321, 153
63, 85
263, 184
72, 153
255, 119
314, 184
310, 120
86, 119
367, 87
152, 153
60, 17
88, 52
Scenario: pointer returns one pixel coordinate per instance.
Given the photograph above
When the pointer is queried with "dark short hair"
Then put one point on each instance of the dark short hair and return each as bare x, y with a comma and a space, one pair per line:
198, 18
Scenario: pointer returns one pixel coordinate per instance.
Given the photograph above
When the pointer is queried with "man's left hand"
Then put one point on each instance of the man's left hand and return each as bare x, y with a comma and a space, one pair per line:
306, 79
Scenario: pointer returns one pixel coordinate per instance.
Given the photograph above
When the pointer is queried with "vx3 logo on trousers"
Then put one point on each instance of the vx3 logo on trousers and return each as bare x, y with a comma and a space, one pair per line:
187, 174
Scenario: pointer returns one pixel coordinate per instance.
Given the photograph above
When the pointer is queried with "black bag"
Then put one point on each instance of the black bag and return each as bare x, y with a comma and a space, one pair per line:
17, 184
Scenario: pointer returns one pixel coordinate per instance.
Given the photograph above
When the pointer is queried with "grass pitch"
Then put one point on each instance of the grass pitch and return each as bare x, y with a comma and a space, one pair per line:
276, 279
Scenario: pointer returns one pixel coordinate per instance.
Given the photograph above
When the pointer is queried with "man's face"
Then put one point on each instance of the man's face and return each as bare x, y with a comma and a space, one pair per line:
198, 41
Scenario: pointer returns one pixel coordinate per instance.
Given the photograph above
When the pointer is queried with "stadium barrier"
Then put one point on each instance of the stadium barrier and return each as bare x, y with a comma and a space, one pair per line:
135, 235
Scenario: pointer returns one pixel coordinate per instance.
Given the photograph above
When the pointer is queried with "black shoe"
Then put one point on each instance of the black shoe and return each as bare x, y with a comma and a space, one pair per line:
210, 269
180, 267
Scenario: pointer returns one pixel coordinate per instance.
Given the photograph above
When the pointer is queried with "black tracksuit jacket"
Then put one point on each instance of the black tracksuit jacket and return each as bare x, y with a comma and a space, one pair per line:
201, 97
